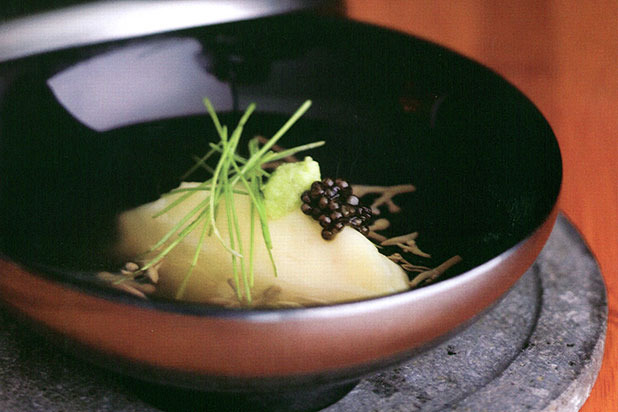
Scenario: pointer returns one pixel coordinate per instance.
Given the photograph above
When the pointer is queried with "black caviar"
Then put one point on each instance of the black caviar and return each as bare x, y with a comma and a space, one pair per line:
334, 206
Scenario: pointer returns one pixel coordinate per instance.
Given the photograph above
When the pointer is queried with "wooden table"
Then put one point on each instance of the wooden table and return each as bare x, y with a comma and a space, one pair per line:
563, 55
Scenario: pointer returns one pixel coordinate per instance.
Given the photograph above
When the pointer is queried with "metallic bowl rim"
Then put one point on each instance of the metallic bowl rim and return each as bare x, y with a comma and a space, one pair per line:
261, 315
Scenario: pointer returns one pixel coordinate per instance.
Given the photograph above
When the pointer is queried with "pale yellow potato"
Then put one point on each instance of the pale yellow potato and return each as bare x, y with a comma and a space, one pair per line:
310, 269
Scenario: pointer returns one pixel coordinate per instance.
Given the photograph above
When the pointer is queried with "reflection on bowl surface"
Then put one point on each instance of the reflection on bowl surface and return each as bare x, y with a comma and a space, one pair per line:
88, 133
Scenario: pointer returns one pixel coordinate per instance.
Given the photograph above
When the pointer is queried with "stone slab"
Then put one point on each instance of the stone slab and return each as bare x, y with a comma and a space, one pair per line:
539, 349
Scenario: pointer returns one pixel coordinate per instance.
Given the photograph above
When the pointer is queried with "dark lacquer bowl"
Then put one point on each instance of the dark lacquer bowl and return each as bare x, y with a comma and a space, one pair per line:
89, 131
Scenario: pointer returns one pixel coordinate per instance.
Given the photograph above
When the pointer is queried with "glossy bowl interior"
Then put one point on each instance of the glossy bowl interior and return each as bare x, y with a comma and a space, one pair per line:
86, 133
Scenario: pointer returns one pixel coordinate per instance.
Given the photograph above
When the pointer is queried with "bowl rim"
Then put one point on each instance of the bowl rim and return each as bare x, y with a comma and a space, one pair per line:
270, 315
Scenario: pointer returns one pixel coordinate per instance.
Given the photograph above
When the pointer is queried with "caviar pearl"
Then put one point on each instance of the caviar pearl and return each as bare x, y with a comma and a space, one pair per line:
323, 202
342, 184
352, 200
327, 234
325, 221
306, 208
333, 205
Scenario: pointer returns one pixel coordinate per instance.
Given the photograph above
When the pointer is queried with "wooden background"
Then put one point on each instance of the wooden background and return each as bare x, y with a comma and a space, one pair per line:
563, 54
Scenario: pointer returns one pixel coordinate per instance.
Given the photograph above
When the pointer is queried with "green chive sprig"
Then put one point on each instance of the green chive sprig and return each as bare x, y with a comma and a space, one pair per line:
233, 174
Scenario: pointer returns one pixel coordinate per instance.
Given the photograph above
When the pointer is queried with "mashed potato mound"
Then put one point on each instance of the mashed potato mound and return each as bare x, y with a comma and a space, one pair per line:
310, 269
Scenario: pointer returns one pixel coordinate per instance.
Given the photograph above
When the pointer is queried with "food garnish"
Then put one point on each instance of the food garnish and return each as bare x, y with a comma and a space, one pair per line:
283, 189
332, 203
203, 234
231, 174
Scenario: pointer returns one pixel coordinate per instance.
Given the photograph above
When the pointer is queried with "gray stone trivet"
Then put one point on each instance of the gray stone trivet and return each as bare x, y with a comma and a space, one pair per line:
539, 349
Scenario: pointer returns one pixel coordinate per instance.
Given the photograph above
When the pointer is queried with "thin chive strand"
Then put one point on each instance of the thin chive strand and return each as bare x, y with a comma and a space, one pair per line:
257, 200
238, 158
231, 164
179, 200
195, 189
199, 162
290, 122
215, 189
227, 159
261, 209
164, 253
178, 225
236, 226
273, 140
251, 240
254, 194
189, 228
183, 285
228, 201
213, 115
290, 152
253, 146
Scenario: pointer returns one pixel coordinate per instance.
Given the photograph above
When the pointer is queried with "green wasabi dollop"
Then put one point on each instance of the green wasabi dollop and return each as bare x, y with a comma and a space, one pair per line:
287, 183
